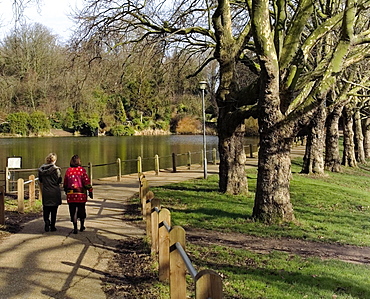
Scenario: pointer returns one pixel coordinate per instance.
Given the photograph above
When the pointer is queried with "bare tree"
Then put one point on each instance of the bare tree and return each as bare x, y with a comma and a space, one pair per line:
297, 51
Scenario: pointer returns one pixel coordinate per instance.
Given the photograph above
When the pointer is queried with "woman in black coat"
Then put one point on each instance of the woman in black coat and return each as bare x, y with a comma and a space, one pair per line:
50, 178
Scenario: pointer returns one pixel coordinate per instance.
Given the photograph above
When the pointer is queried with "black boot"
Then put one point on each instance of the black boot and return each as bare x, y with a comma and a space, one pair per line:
47, 225
82, 228
75, 227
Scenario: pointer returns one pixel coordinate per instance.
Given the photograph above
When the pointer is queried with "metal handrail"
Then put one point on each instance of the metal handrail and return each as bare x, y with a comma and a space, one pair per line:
181, 250
186, 260
29, 181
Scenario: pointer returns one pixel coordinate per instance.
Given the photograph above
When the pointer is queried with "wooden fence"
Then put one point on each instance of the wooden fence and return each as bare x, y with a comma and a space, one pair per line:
169, 244
8, 173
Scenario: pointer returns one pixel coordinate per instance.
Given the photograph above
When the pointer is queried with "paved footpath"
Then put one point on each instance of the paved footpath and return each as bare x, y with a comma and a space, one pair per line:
35, 264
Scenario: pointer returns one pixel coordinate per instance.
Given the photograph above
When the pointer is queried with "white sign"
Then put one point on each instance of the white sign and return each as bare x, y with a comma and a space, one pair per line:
15, 162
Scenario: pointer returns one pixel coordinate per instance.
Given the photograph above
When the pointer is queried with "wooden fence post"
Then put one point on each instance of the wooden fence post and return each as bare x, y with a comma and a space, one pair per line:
20, 188
6, 180
142, 179
177, 265
155, 203
90, 169
208, 284
2, 205
251, 150
164, 244
119, 169
31, 190
139, 166
214, 155
189, 159
147, 211
156, 164
173, 162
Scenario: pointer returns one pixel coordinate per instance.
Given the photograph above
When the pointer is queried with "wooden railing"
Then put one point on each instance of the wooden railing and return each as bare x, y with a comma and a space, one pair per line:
155, 161
169, 244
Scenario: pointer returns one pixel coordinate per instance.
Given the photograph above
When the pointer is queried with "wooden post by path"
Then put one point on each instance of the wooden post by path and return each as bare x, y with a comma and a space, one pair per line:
173, 162
90, 170
32, 190
139, 166
155, 203
251, 150
208, 284
164, 244
177, 264
156, 164
189, 159
119, 169
2, 205
20, 188
7, 180
214, 154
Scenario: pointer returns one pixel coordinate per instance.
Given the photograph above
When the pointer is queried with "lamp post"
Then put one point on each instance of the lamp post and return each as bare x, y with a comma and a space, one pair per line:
202, 87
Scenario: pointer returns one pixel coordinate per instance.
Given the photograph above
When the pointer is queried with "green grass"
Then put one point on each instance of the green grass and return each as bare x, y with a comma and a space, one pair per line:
281, 275
332, 208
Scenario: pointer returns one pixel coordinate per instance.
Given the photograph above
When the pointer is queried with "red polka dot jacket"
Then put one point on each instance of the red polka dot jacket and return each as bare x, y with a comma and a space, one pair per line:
76, 184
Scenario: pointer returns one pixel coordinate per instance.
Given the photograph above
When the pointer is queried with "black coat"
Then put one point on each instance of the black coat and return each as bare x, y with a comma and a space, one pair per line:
50, 178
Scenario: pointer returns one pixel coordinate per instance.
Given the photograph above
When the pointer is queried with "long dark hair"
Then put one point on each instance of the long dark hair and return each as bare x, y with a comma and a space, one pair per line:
75, 161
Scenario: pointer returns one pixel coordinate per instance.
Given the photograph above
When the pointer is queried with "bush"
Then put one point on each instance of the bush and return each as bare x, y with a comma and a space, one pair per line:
162, 125
38, 122
88, 127
55, 120
122, 130
188, 125
18, 123
251, 127
68, 120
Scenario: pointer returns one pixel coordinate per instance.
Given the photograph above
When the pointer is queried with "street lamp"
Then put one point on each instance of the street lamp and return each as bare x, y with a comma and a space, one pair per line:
202, 87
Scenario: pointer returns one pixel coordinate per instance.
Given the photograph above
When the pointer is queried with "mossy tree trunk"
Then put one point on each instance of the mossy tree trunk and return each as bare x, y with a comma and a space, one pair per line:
313, 160
272, 200
366, 130
358, 137
349, 156
230, 124
332, 156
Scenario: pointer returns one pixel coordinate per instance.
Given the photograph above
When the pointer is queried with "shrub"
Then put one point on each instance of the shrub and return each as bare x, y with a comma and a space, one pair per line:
162, 125
18, 123
122, 130
188, 125
38, 122
68, 120
251, 127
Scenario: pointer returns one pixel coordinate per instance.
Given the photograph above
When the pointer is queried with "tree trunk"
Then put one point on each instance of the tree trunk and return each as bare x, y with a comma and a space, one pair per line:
272, 202
232, 175
332, 157
231, 129
313, 160
359, 137
349, 156
366, 130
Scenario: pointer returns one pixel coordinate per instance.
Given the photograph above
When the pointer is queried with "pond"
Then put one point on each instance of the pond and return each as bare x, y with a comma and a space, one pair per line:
105, 150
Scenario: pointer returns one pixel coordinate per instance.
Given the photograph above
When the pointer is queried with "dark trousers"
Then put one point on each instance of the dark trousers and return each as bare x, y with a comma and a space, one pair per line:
50, 212
77, 210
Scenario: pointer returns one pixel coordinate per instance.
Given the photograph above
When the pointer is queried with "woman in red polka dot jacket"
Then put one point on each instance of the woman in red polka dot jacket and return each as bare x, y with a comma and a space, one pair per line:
76, 185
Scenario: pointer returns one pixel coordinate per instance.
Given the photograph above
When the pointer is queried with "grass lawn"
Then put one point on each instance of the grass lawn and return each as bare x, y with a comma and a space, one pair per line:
333, 208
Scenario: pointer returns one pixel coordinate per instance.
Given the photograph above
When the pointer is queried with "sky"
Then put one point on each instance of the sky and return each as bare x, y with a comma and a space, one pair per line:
52, 13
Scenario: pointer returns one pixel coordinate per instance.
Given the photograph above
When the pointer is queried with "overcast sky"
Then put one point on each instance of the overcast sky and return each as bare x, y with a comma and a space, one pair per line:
52, 14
